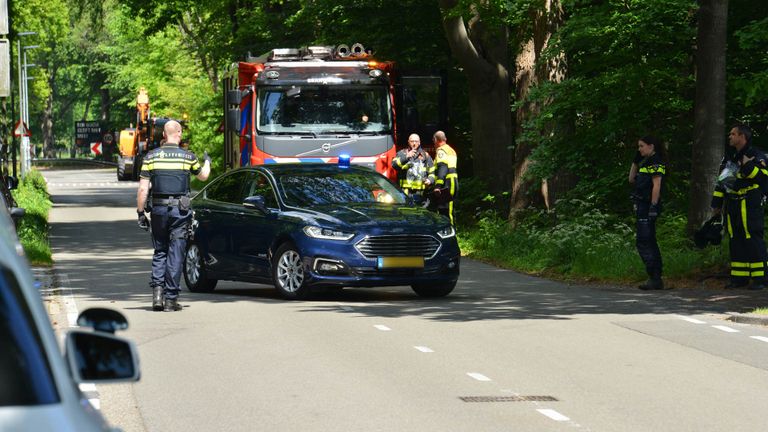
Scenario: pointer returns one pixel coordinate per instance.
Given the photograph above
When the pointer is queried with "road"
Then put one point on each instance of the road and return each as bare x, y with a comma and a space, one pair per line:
504, 352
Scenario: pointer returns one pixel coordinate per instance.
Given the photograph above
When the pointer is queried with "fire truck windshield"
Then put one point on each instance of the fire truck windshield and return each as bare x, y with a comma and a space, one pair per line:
323, 109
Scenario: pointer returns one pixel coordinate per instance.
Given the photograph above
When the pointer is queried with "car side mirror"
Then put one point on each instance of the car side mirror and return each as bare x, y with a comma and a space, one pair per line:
17, 213
256, 202
11, 182
101, 357
101, 319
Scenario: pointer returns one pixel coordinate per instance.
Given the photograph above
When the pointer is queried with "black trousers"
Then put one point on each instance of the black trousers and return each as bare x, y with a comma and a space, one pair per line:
169, 238
647, 246
744, 221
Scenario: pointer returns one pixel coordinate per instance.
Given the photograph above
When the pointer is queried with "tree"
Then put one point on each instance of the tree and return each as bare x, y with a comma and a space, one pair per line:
709, 116
481, 46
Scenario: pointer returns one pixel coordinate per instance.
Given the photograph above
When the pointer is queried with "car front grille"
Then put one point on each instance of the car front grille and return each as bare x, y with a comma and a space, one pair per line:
398, 245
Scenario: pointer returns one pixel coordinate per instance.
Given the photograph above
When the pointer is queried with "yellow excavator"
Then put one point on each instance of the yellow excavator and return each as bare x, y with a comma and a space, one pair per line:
134, 143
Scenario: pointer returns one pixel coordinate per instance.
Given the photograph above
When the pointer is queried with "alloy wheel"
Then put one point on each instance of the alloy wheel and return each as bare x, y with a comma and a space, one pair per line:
290, 271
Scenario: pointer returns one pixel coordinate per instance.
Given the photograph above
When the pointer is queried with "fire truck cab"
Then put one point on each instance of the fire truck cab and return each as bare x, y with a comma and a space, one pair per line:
316, 103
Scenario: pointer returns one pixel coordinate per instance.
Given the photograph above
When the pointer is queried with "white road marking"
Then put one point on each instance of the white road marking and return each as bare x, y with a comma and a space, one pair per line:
346, 308
691, 320
554, 415
760, 338
382, 327
69, 301
424, 349
726, 329
478, 376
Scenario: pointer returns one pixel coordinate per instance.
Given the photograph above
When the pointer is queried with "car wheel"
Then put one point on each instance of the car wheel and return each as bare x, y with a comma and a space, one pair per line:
288, 273
433, 290
195, 275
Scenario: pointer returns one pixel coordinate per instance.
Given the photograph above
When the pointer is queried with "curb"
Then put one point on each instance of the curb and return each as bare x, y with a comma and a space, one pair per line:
748, 318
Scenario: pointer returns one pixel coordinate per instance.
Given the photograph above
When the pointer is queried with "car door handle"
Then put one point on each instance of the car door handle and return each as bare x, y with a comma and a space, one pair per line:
203, 211
240, 215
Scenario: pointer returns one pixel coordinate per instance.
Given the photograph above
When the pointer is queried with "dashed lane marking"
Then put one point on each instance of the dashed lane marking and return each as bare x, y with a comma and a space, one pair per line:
424, 349
382, 327
760, 338
554, 415
478, 376
726, 329
90, 392
691, 320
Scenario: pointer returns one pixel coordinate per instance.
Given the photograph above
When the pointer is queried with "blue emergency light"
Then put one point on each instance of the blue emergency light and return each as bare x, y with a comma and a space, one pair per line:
343, 161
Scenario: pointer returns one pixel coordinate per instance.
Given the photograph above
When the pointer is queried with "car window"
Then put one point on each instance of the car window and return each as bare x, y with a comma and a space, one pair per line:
258, 184
227, 188
308, 188
25, 375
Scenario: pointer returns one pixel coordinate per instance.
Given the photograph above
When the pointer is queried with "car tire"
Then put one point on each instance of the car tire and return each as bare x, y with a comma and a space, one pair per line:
195, 274
433, 289
288, 273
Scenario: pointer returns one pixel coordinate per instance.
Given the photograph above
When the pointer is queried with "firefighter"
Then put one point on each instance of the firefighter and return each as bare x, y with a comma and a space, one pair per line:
647, 174
446, 178
414, 168
742, 197
167, 168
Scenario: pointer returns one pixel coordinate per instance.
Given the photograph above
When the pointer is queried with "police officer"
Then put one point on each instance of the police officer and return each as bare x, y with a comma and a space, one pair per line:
647, 173
446, 177
167, 168
414, 167
743, 201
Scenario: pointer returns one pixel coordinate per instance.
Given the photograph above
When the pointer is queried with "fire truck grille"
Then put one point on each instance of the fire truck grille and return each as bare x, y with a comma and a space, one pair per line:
398, 245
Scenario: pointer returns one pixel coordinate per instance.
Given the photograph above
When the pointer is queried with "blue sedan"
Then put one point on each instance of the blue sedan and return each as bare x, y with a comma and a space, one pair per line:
305, 226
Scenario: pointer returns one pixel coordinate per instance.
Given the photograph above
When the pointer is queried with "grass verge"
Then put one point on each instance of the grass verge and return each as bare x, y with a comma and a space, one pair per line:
32, 195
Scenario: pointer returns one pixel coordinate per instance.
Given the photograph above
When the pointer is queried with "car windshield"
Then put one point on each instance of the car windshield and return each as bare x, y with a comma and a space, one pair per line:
340, 187
313, 109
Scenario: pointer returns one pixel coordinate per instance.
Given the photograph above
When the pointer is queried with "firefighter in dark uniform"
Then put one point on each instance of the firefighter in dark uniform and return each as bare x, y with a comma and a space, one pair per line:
446, 177
167, 169
742, 198
414, 168
647, 174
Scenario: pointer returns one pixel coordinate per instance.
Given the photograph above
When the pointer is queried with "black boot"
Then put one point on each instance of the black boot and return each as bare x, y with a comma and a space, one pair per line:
171, 305
157, 298
652, 284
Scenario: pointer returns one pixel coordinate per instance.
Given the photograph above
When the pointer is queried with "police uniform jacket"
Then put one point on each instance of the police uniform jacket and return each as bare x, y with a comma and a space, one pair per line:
446, 176
168, 169
751, 179
648, 168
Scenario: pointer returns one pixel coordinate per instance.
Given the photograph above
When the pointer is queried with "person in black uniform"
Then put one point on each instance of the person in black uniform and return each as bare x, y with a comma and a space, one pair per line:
741, 193
647, 174
167, 168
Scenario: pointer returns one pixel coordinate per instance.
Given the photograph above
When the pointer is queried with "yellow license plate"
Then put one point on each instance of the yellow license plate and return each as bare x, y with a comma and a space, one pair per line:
401, 262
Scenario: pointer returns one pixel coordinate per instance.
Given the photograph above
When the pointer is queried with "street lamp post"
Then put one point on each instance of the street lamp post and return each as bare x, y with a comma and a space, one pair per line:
24, 150
28, 153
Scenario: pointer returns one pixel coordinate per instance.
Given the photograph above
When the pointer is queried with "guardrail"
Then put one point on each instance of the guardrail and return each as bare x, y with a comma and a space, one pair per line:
73, 161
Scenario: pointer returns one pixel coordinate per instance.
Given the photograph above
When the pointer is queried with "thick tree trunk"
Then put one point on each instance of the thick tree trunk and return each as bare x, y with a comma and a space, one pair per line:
484, 55
530, 71
709, 112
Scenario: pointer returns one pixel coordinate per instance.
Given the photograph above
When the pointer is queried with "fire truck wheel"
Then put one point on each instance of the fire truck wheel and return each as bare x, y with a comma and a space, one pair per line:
195, 274
433, 290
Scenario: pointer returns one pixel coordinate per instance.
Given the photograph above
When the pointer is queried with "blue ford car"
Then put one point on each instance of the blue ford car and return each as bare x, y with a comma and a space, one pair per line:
305, 226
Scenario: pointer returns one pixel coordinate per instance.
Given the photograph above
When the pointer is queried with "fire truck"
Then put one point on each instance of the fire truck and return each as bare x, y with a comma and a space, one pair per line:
317, 103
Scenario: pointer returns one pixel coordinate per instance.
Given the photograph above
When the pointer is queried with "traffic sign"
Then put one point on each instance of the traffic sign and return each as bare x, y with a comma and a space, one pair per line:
96, 148
21, 129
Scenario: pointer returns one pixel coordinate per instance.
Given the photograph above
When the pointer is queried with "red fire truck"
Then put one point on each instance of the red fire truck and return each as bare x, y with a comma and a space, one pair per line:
316, 103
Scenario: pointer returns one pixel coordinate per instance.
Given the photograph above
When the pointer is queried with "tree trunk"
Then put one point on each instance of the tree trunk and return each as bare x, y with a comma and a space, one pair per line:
530, 71
47, 126
709, 112
484, 55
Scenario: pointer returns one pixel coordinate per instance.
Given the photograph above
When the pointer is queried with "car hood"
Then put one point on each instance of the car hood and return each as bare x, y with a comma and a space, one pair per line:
379, 215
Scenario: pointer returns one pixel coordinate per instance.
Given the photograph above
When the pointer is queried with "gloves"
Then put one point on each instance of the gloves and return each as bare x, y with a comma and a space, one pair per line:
206, 158
143, 220
653, 211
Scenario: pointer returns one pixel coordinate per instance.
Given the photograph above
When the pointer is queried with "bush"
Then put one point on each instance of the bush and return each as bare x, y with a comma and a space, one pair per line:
579, 241
32, 195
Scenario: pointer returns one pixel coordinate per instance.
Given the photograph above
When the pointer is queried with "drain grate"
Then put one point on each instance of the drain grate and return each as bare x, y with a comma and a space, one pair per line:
508, 399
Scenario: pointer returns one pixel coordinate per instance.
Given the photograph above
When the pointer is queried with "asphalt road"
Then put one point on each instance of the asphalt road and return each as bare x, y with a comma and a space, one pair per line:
504, 352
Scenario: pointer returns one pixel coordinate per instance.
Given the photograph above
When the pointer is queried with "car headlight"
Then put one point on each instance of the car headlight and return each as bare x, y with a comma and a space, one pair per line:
447, 232
327, 234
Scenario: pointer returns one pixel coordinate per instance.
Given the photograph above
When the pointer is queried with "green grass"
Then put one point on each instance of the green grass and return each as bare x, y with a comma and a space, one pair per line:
760, 311
588, 246
32, 195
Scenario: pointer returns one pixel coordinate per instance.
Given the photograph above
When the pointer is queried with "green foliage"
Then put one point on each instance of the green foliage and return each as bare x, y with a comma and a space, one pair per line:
32, 195
579, 241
